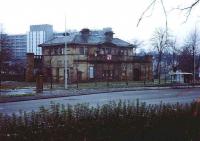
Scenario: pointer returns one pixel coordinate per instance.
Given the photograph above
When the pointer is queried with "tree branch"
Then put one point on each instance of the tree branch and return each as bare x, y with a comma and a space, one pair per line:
189, 9
146, 10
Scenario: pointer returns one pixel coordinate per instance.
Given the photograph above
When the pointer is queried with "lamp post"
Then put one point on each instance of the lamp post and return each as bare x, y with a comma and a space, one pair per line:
145, 74
65, 58
95, 71
50, 69
77, 73
0, 75
126, 71
107, 75
0, 65
124, 67
95, 65
193, 48
109, 58
77, 76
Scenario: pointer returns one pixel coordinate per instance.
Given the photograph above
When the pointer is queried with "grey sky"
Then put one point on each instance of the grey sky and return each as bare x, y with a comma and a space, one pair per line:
121, 15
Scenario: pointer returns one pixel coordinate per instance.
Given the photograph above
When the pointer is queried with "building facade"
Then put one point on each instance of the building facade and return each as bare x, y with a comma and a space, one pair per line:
18, 45
38, 34
94, 57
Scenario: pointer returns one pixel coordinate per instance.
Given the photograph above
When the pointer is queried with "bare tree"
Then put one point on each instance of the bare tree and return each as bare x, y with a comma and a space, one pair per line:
189, 53
5, 54
159, 42
150, 8
185, 63
173, 50
137, 44
188, 9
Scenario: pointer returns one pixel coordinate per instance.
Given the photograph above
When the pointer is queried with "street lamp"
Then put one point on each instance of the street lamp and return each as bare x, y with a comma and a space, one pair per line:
77, 73
0, 64
65, 57
145, 76
0, 56
95, 75
193, 48
109, 58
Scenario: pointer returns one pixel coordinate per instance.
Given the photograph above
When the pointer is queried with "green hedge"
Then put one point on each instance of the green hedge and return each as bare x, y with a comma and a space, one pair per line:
123, 121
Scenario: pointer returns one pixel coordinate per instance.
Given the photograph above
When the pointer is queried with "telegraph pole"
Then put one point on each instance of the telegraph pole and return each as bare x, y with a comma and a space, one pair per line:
65, 57
195, 36
0, 52
193, 48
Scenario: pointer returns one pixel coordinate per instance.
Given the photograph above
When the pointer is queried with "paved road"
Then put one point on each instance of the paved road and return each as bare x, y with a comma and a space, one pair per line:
149, 96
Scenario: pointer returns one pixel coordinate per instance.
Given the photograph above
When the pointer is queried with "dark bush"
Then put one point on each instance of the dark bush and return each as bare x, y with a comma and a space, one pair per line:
123, 121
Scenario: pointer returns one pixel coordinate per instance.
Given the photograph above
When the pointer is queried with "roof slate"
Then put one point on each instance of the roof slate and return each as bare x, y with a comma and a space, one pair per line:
90, 39
57, 41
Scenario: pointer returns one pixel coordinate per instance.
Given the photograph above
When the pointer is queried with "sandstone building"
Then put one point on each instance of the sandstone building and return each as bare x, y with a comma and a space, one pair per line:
93, 57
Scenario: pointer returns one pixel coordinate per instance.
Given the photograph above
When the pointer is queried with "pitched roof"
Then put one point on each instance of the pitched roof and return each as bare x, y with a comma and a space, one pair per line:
88, 39
57, 41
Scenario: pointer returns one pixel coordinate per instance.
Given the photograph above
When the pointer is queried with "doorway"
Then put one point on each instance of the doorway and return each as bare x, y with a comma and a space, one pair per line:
136, 74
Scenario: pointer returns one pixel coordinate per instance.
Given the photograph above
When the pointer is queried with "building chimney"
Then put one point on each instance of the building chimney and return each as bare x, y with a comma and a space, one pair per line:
85, 32
108, 36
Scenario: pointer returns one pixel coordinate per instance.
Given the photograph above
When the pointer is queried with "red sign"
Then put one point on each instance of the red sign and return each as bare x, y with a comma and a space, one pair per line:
109, 57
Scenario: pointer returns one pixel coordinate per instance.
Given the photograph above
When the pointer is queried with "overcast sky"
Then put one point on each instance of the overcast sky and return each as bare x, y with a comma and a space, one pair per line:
122, 15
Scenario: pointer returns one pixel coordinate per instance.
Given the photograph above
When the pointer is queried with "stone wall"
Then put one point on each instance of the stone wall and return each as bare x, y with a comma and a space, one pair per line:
29, 76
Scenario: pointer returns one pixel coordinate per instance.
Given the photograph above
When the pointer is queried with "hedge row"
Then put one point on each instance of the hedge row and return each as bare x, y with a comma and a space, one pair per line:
123, 121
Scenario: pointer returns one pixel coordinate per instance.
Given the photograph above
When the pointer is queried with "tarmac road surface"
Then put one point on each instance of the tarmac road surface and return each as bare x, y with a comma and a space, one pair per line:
170, 96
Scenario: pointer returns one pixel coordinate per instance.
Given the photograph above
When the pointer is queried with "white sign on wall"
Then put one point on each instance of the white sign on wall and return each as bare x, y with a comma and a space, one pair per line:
109, 57
91, 72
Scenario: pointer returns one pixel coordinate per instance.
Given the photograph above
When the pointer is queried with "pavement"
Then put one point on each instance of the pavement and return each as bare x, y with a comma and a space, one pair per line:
55, 93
